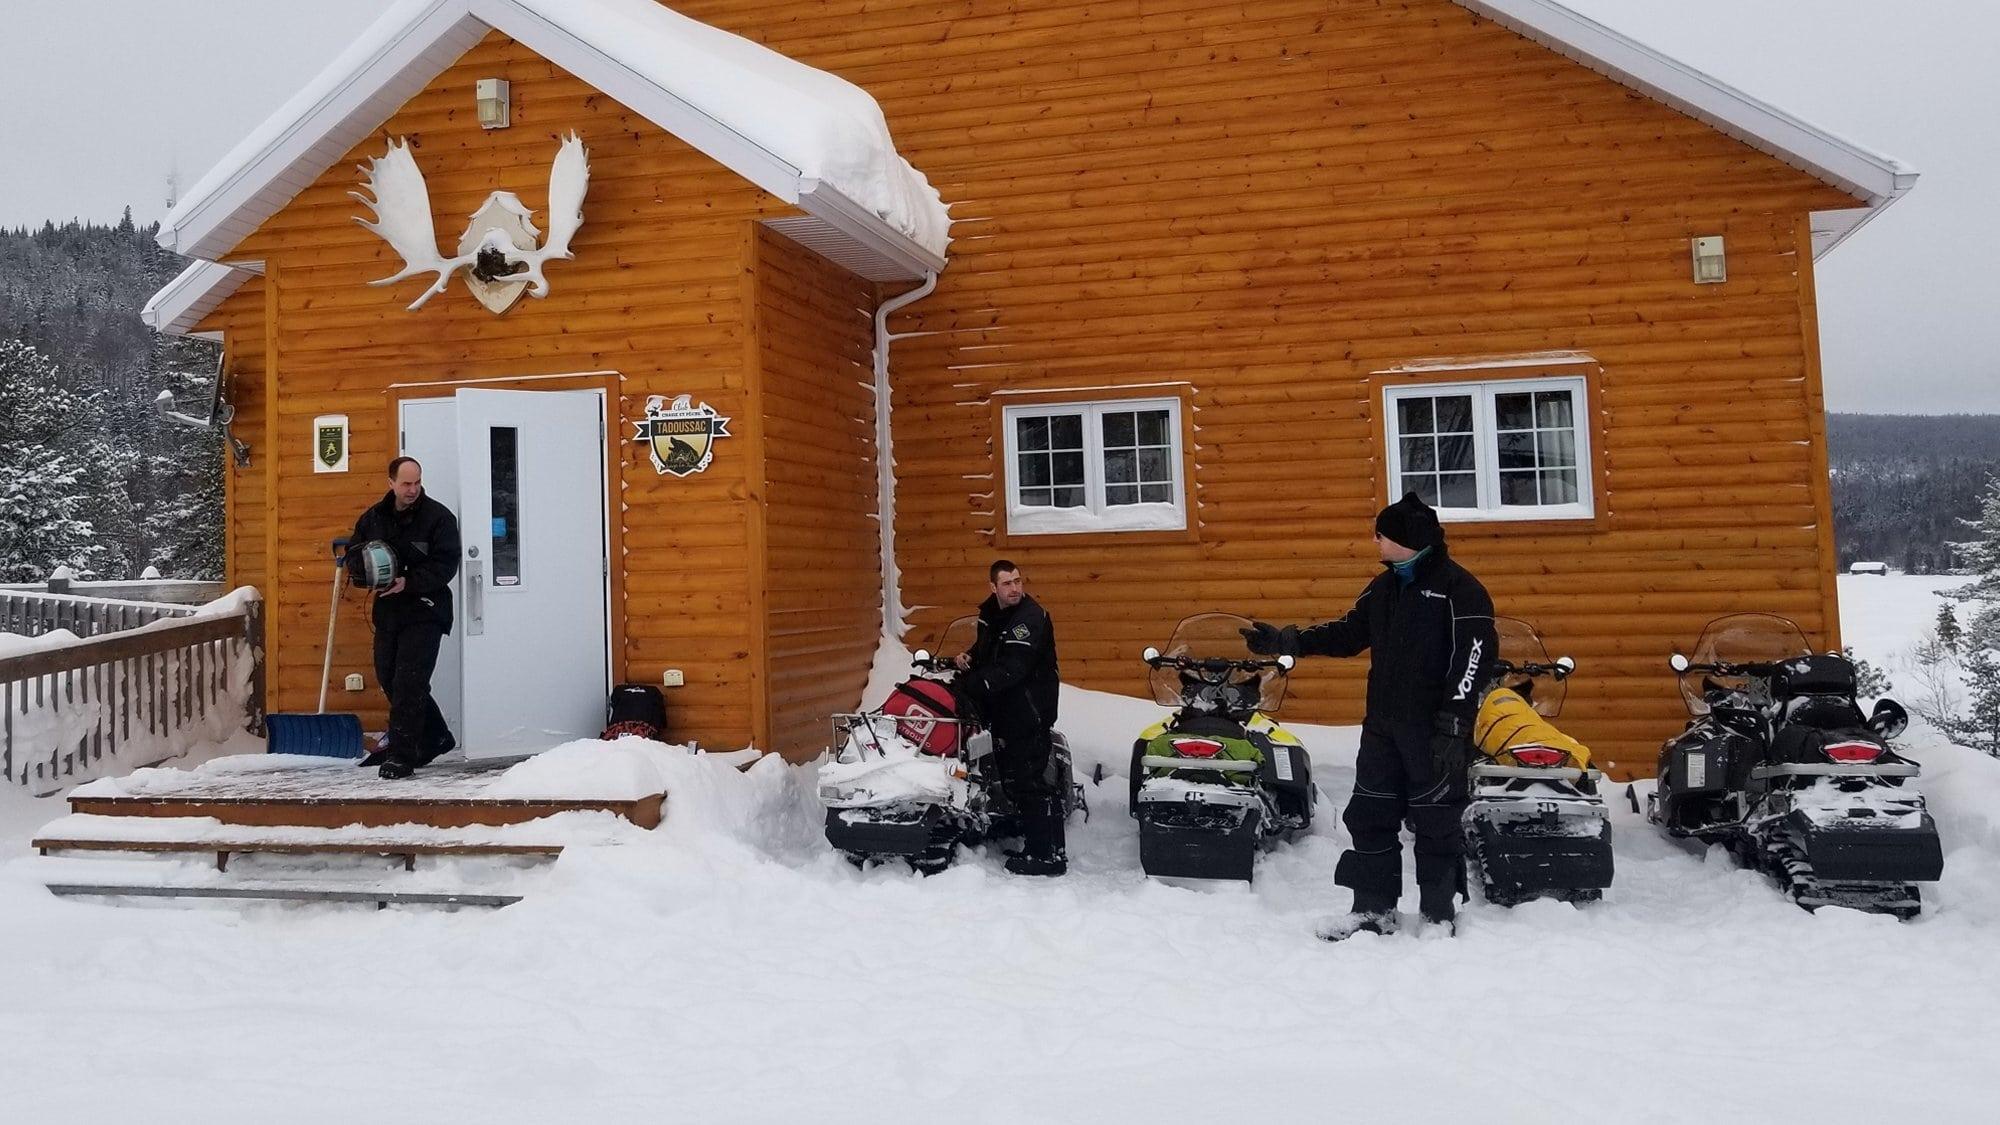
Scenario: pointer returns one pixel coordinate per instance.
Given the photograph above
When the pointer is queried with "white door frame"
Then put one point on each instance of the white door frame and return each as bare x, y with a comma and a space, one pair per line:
446, 392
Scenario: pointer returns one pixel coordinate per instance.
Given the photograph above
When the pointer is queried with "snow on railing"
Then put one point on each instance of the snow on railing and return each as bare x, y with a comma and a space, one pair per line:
76, 707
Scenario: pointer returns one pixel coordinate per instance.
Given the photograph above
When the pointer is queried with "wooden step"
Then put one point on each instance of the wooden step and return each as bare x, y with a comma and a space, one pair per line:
336, 795
381, 898
223, 849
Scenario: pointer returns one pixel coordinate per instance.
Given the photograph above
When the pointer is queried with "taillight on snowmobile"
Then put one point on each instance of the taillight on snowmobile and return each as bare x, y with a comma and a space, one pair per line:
1541, 757
1853, 752
1197, 747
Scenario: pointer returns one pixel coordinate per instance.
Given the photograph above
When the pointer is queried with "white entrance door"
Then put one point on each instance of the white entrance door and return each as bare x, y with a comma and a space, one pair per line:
533, 608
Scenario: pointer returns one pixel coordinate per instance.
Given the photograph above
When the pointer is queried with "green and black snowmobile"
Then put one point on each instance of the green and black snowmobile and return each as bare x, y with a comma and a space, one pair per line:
1218, 780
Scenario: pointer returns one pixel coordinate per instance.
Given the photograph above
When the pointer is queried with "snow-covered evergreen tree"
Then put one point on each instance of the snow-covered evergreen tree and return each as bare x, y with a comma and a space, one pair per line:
1981, 556
49, 478
1948, 633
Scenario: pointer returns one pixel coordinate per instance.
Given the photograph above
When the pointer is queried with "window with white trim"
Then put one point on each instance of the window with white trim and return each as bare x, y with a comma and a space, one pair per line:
1500, 450
1094, 466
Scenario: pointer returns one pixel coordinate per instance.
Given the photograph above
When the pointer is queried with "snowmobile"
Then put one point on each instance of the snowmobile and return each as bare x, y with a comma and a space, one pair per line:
917, 777
1218, 780
1535, 826
1779, 765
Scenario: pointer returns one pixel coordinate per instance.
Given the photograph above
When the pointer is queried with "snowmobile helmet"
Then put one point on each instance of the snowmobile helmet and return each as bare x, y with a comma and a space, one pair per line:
1410, 522
373, 565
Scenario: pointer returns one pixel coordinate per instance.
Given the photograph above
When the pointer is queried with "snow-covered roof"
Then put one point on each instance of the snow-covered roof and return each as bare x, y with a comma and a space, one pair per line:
197, 291
1876, 179
803, 135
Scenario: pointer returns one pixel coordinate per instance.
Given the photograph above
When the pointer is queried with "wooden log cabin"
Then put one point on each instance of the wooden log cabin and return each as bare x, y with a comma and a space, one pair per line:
1222, 278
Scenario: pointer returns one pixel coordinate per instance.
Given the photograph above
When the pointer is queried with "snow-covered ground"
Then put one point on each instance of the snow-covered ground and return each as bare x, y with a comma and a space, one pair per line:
727, 967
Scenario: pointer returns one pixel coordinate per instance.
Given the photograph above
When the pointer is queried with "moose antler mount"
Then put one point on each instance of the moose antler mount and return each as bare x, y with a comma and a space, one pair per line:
498, 250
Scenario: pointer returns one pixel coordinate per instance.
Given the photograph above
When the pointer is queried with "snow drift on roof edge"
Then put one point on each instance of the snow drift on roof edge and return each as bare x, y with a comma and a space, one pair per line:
823, 125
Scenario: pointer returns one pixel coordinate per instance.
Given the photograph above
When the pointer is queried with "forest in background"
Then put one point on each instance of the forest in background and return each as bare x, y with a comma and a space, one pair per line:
92, 475
1903, 485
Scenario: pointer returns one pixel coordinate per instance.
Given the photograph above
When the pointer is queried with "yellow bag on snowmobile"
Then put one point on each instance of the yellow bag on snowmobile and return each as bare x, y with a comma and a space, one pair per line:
1507, 721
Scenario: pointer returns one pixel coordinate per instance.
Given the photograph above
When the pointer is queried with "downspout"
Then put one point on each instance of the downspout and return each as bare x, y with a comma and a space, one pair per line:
885, 457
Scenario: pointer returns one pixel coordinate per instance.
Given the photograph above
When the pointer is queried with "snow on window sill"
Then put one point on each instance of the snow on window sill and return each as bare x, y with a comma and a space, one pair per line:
1070, 521
1516, 514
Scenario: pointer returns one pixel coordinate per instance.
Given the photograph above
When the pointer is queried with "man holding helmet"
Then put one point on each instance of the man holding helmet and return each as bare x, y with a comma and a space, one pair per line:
412, 613
1427, 624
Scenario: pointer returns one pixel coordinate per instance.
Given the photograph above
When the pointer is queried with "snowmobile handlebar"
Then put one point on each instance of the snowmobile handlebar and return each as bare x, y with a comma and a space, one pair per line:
1217, 665
1561, 668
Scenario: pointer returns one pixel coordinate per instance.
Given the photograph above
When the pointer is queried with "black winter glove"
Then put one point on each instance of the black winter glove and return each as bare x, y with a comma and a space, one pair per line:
1451, 747
1269, 640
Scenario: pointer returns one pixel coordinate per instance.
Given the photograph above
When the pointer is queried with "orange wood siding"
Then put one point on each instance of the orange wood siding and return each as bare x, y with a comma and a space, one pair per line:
240, 319
1272, 200
656, 293
822, 592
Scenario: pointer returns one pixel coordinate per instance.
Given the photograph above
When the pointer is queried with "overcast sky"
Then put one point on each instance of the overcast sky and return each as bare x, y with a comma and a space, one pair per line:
101, 99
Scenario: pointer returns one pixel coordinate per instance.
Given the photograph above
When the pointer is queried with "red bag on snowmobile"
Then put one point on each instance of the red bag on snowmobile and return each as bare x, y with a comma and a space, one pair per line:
917, 704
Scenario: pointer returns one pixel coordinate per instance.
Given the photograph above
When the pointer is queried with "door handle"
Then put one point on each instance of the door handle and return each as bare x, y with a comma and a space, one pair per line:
475, 598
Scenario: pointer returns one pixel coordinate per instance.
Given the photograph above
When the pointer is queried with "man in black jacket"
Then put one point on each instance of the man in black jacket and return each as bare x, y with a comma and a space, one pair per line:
1011, 674
412, 616
1428, 625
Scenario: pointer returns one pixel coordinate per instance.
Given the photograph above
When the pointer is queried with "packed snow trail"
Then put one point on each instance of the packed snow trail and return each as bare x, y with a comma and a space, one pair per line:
729, 967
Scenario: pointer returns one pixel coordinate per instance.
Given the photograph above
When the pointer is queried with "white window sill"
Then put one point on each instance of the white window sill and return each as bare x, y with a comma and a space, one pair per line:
1515, 515
1072, 521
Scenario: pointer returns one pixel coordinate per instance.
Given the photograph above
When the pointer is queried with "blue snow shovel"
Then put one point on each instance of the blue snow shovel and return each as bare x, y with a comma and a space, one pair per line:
319, 734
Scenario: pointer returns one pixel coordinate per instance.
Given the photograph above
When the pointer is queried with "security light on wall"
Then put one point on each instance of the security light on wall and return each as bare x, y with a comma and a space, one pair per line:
1710, 265
495, 102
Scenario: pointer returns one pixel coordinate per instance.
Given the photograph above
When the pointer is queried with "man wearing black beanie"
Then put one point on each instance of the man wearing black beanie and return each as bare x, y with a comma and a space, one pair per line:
1428, 625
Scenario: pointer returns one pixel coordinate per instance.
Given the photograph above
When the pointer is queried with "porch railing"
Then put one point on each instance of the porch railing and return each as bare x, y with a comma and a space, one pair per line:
119, 698
33, 613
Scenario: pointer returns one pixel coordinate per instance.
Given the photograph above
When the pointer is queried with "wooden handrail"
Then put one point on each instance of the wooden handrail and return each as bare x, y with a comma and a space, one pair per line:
111, 647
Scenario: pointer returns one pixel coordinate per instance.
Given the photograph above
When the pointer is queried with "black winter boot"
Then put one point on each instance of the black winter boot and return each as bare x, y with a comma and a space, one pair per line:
1371, 914
1043, 850
1439, 905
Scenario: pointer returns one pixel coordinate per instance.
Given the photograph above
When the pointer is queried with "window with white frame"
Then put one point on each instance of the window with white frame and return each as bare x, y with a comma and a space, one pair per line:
1094, 466
1506, 449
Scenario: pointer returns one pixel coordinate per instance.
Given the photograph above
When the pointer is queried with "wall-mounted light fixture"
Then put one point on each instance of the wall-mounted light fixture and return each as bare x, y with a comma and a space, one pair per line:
495, 102
1711, 267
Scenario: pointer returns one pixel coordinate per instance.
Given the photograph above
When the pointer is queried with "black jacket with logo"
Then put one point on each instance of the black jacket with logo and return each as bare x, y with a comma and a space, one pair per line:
1432, 643
425, 539
1017, 647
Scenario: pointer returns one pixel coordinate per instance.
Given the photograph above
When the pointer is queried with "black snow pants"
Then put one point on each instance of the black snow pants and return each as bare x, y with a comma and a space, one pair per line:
1393, 782
1024, 748
405, 655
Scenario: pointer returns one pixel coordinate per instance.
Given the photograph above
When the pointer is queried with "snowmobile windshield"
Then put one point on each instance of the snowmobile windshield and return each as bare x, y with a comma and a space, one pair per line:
1740, 638
957, 637
1216, 636
1520, 647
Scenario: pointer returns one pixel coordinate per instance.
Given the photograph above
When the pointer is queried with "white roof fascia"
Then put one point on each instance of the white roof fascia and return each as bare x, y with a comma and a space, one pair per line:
820, 200
197, 291
1877, 180
663, 108
262, 178
264, 175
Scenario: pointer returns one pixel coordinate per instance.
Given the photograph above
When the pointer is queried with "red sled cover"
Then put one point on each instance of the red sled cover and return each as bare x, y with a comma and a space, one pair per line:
917, 704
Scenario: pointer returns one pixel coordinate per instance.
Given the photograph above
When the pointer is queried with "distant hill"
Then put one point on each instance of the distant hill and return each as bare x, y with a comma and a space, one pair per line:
1901, 483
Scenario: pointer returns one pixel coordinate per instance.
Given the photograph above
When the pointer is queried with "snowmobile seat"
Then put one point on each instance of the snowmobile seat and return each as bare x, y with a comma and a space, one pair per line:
1818, 674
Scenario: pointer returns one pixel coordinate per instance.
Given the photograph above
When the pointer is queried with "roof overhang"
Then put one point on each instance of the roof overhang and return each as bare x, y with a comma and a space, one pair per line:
197, 291
375, 77
1873, 179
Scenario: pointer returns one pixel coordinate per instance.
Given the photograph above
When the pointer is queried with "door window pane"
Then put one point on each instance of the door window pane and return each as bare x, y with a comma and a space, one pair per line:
504, 466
